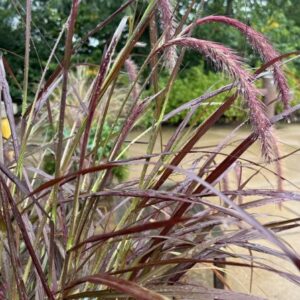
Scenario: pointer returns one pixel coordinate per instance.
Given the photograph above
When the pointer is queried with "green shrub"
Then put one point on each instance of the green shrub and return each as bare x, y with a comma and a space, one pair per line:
193, 83
106, 146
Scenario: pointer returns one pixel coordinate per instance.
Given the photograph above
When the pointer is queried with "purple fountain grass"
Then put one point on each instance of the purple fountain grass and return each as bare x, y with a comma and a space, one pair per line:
260, 43
168, 25
105, 234
278, 165
226, 60
132, 72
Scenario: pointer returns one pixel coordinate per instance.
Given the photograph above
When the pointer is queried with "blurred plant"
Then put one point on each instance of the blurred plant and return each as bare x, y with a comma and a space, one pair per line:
103, 152
79, 233
194, 82
80, 82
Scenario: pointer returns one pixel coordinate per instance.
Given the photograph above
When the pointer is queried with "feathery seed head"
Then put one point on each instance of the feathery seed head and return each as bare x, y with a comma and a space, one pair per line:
132, 72
260, 43
226, 60
168, 25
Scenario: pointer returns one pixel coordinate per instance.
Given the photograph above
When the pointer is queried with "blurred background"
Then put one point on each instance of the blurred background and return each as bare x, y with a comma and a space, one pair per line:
277, 19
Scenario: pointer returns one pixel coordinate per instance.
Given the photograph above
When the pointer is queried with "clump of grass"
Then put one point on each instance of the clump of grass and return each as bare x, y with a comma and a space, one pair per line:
78, 233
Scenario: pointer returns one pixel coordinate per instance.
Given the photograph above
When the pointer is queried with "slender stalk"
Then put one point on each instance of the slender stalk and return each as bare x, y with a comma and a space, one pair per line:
66, 66
27, 53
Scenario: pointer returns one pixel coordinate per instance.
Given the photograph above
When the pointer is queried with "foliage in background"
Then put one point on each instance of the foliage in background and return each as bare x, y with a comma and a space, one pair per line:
194, 82
103, 152
277, 19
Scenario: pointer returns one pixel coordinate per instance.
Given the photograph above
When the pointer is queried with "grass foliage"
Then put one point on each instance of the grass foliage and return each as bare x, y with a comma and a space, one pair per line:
72, 231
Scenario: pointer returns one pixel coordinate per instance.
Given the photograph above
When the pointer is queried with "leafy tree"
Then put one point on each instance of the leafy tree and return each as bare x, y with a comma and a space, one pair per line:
277, 19
48, 17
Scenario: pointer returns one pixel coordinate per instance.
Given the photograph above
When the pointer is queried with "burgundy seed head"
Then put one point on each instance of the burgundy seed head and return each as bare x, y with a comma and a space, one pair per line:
260, 43
226, 60
132, 71
168, 25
